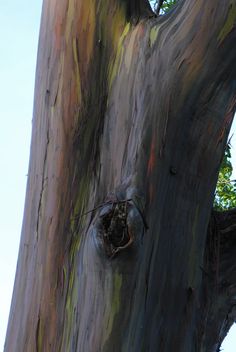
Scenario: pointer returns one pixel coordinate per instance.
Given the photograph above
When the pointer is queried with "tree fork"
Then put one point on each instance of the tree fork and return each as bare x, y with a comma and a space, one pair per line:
133, 111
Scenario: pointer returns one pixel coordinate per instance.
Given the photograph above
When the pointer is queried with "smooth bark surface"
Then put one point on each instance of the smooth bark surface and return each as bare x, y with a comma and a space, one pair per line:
131, 118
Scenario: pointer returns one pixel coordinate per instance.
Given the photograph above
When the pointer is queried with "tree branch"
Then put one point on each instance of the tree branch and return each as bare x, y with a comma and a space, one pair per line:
138, 8
226, 224
220, 265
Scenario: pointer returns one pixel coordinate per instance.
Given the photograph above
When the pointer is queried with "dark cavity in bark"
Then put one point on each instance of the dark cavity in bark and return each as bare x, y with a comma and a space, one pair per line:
119, 225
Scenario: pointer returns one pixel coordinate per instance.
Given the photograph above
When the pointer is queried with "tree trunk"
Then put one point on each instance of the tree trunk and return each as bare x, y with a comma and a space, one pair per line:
131, 116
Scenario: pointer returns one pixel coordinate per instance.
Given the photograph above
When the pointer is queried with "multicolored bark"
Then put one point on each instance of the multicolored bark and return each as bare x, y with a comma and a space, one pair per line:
136, 109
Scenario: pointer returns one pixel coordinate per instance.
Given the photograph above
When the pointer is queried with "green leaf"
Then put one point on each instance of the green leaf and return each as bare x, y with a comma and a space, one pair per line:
166, 6
225, 193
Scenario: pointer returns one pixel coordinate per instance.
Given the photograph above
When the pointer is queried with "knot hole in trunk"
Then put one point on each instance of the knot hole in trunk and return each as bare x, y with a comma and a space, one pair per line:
119, 225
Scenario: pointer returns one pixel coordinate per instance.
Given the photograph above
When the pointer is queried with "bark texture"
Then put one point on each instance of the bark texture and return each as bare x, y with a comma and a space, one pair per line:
131, 117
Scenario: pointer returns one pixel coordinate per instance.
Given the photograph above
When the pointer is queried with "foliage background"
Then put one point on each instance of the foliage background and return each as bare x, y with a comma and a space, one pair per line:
225, 194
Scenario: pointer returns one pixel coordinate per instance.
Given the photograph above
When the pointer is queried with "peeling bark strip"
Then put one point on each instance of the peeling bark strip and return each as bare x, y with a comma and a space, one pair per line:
139, 106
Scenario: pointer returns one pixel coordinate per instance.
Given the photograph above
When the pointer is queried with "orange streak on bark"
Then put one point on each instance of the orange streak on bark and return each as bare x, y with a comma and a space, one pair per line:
151, 192
151, 166
57, 34
59, 13
152, 158
86, 23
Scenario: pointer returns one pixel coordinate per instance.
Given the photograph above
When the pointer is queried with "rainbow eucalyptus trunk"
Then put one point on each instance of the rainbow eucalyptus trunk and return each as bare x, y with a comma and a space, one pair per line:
120, 250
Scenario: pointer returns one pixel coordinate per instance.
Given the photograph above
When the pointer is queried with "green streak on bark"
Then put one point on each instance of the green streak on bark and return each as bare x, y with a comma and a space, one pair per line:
229, 24
71, 295
79, 208
115, 303
39, 338
68, 326
114, 68
77, 73
153, 35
